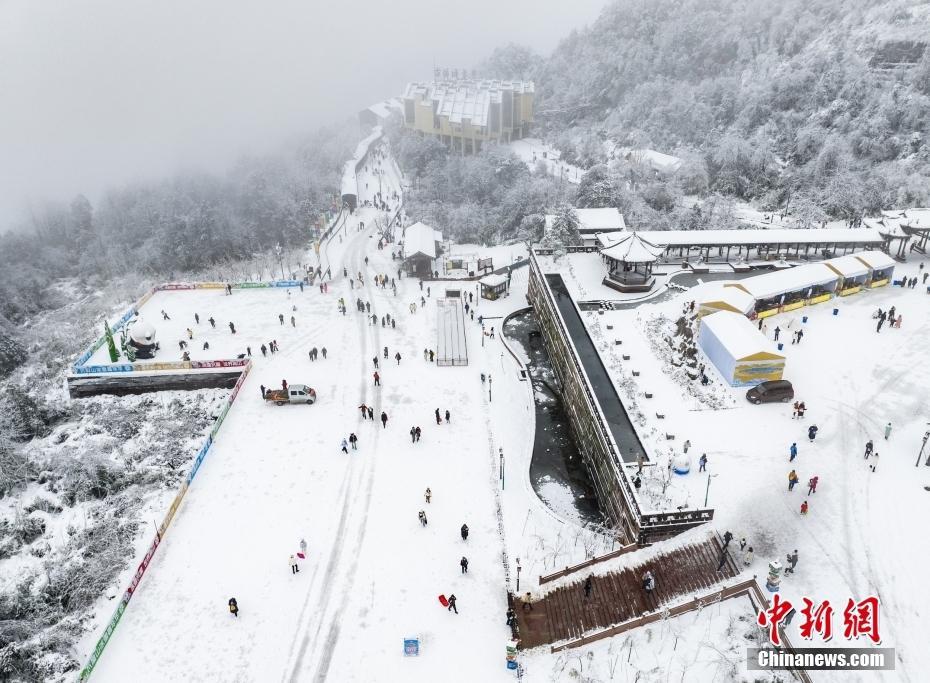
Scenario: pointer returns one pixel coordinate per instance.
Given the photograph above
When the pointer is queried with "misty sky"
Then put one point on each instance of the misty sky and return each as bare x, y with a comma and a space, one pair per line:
96, 93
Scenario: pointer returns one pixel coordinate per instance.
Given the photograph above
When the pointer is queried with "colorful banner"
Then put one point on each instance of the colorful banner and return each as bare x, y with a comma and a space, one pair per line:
163, 365
210, 285
172, 286
166, 522
101, 369
230, 363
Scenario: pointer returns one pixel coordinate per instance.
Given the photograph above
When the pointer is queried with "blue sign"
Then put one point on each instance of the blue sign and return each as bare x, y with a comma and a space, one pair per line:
411, 647
101, 369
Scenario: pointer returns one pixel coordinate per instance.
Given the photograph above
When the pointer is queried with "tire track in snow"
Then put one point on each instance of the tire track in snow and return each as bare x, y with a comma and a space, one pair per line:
367, 473
332, 637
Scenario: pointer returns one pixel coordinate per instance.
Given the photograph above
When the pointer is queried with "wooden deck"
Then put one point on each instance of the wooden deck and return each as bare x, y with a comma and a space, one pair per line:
565, 613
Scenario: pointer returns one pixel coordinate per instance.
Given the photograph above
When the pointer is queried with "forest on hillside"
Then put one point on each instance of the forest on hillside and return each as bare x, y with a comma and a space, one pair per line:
173, 226
824, 103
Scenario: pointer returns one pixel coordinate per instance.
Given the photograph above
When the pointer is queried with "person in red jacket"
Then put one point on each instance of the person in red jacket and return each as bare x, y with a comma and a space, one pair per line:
812, 485
804, 508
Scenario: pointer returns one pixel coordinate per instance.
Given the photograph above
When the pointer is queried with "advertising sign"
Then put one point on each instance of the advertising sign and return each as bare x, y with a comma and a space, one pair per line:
411, 647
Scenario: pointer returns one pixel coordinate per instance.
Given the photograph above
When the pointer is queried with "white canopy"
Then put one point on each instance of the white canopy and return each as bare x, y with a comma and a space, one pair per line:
771, 285
633, 249
876, 260
738, 335
718, 295
847, 266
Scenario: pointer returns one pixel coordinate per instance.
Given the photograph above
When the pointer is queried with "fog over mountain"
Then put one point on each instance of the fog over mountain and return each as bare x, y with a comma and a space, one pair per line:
99, 92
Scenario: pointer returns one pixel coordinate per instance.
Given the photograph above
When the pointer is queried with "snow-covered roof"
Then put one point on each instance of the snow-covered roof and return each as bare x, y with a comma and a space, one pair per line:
716, 293
875, 260
713, 238
493, 280
383, 109
890, 221
779, 282
466, 99
595, 220
847, 266
633, 249
738, 335
420, 238
657, 161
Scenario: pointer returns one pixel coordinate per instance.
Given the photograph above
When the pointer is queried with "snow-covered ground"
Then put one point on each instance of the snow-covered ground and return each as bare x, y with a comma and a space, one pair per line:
861, 523
502, 255
277, 474
531, 150
373, 573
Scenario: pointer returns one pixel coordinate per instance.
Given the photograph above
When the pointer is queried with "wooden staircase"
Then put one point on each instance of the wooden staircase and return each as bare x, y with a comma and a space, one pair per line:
565, 613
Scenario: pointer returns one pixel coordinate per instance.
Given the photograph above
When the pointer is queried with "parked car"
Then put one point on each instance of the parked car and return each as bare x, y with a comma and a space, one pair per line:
770, 392
296, 393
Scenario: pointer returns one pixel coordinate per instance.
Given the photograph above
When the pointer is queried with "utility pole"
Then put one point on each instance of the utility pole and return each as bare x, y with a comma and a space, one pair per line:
518, 574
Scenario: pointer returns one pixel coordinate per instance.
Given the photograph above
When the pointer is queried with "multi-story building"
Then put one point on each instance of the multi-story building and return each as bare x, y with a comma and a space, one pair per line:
467, 114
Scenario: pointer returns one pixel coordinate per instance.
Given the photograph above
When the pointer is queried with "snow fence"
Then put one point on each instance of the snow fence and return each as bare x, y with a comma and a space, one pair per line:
162, 528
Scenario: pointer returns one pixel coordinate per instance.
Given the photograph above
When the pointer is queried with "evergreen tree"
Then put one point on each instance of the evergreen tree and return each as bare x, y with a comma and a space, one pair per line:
111, 345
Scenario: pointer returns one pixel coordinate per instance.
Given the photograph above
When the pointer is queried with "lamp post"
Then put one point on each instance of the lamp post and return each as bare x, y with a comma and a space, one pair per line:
489, 387
518, 574
922, 446
707, 490
500, 452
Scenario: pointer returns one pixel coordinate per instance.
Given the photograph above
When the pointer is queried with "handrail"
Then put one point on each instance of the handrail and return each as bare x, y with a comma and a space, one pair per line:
623, 550
695, 603
748, 587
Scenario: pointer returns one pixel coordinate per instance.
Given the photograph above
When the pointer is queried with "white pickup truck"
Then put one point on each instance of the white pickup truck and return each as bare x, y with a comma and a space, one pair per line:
296, 393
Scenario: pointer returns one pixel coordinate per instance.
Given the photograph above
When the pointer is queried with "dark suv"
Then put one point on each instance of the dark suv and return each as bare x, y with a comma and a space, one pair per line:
770, 392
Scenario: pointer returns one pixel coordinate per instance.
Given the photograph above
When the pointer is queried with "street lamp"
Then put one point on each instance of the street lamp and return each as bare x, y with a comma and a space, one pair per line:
922, 446
500, 452
518, 574
489, 387
707, 490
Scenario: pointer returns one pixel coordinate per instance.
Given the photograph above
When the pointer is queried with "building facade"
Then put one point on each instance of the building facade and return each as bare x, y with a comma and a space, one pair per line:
465, 115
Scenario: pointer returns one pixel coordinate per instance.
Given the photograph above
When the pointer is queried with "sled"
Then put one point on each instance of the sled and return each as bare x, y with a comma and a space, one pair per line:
301, 556
443, 601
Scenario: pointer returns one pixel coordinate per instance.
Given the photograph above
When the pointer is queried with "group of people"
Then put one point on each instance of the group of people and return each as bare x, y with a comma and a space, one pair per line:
888, 316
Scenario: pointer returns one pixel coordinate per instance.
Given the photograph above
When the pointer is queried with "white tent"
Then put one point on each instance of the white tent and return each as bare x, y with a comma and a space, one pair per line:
715, 296
739, 351
799, 279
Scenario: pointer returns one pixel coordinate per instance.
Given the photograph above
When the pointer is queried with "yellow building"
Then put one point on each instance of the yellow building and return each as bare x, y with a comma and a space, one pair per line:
466, 114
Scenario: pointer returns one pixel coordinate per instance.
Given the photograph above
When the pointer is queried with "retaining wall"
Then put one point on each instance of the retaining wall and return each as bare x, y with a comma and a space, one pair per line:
598, 448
